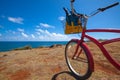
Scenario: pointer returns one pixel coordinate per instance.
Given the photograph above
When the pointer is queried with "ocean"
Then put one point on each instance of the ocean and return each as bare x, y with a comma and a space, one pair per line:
10, 45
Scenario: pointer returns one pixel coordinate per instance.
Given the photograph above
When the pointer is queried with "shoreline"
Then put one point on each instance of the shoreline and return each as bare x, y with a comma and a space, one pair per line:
45, 63
8, 46
27, 47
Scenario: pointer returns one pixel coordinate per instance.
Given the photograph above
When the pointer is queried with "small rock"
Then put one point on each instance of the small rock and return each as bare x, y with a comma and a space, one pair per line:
55, 45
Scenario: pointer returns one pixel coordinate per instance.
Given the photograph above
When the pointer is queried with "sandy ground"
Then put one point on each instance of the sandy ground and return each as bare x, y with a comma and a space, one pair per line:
49, 64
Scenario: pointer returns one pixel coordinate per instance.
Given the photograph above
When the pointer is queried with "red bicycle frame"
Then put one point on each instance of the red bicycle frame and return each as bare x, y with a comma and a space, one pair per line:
99, 44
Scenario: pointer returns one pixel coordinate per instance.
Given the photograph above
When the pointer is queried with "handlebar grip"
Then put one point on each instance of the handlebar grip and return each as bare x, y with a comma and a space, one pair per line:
115, 4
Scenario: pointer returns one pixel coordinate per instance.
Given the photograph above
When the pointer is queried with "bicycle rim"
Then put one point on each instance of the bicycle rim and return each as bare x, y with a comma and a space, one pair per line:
79, 65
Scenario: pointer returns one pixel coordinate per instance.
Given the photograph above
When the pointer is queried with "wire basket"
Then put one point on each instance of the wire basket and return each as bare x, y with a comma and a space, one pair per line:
72, 26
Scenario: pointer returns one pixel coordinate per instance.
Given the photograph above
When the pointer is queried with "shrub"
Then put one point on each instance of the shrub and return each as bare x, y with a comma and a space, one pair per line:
24, 48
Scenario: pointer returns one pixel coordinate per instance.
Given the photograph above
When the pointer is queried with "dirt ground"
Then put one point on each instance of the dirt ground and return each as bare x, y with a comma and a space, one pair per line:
49, 64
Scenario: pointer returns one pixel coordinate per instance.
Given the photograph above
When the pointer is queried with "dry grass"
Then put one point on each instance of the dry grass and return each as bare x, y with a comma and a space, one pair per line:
49, 63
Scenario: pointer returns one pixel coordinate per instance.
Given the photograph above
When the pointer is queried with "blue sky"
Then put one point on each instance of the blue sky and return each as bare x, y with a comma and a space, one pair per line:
40, 20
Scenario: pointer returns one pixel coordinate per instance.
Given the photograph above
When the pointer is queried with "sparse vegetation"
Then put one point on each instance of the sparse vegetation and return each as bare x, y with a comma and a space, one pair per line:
24, 48
102, 39
55, 45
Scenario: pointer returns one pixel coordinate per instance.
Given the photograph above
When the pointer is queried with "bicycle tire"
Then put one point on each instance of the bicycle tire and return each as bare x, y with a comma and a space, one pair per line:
77, 63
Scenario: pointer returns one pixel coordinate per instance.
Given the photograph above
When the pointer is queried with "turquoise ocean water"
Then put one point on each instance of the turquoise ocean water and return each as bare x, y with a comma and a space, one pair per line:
10, 45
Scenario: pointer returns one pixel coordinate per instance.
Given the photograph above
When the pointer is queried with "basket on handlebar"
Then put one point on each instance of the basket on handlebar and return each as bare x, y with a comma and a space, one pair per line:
73, 24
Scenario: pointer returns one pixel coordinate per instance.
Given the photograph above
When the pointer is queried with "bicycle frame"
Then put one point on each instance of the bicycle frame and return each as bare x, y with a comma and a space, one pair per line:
99, 44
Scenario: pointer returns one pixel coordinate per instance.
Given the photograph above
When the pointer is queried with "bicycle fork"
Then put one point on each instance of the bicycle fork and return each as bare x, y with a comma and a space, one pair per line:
76, 54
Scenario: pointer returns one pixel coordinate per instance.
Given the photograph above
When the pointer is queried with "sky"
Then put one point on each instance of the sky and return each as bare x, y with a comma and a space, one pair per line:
42, 20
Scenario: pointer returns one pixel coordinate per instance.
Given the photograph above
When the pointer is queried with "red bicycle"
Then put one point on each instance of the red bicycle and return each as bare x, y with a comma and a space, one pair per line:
77, 54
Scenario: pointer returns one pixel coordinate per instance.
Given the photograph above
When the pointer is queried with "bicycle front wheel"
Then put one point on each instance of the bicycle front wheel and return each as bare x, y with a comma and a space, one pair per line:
78, 63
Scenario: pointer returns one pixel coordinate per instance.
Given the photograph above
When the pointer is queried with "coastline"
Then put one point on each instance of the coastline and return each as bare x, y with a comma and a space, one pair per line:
11, 45
45, 63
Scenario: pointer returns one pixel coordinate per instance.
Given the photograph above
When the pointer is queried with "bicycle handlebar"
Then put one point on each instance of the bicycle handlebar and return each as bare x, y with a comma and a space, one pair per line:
103, 9
97, 11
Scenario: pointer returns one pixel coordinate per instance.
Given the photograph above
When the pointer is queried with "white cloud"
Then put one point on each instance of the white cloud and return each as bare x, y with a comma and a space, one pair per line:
32, 35
51, 36
40, 30
45, 25
24, 35
41, 37
38, 33
0, 34
47, 33
37, 26
11, 31
18, 20
21, 30
61, 18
